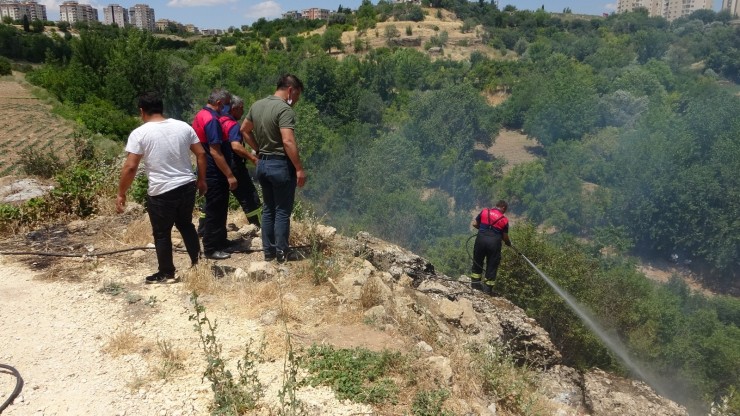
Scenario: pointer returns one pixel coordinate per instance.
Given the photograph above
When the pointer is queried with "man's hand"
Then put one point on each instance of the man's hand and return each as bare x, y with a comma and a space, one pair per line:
120, 203
202, 187
232, 182
301, 176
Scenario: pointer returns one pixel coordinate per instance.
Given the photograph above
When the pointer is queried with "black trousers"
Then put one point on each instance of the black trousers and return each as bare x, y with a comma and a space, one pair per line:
487, 249
216, 210
246, 193
173, 207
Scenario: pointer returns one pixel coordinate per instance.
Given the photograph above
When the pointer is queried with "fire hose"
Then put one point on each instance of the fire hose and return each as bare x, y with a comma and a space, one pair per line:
18, 386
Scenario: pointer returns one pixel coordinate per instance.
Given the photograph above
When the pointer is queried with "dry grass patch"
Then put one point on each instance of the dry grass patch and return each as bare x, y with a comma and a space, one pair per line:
139, 232
371, 294
172, 359
122, 343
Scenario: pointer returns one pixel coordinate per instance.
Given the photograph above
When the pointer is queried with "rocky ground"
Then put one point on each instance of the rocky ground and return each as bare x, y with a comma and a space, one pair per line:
89, 338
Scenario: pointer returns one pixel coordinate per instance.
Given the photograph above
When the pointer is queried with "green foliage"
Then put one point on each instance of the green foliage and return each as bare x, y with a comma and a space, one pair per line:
356, 374
5, 66
429, 403
232, 395
40, 162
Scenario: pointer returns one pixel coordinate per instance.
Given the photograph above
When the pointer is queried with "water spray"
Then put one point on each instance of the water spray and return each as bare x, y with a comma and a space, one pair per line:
612, 342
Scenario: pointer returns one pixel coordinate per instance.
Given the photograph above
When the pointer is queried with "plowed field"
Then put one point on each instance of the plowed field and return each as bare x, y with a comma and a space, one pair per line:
26, 121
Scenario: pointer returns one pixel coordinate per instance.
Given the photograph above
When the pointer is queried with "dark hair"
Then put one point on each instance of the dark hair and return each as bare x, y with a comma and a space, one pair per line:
502, 204
151, 103
289, 80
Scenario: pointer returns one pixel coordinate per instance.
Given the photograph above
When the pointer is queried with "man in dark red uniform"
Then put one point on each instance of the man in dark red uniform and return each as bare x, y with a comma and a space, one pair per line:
219, 177
493, 228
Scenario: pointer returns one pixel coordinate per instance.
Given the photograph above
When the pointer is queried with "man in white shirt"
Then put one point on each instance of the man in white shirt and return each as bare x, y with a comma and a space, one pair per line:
164, 145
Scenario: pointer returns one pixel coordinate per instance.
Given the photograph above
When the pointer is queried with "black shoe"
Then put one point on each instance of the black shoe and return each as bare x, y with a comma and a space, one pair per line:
160, 277
289, 255
217, 255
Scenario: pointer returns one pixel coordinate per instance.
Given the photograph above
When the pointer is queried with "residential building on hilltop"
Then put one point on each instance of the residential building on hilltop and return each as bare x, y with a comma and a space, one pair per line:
17, 9
191, 28
142, 16
113, 14
292, 14
316, 13
73, 12
669, 9
732, 6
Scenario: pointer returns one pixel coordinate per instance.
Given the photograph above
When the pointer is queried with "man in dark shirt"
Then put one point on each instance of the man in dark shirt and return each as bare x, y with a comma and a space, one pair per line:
269, 130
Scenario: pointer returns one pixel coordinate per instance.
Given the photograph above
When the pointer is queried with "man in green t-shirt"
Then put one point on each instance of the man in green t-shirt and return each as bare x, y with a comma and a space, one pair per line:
269, 130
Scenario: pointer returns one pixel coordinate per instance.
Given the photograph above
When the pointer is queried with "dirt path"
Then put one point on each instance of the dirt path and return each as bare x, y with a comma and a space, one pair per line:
82, 351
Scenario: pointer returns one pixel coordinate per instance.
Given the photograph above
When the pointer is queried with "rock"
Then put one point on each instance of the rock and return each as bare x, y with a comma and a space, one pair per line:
424, 347
440, 366
450, 311
240, 274
269, 317
21, 190
177, 242
374, 292
260, 270
376, 313
435, 50
76, 226
138, 254
609, 395
562, 385
249, 230
326, 232
433, 286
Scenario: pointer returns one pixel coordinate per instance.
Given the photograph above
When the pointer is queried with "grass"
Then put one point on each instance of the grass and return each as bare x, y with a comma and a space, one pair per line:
171, 359
122, 343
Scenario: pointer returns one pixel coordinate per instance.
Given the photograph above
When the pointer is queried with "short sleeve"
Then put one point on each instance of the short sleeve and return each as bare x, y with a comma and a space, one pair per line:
133, 145
234, 133
287, 119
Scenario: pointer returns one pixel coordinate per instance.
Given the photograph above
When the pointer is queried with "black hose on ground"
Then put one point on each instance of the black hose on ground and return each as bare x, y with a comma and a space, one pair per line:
108, 253
18, 386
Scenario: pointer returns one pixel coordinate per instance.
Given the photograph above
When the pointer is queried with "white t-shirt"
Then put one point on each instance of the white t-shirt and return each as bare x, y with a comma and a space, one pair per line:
165, 146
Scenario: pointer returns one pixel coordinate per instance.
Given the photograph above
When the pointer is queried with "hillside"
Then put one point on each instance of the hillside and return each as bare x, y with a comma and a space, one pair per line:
27, 123
90, 338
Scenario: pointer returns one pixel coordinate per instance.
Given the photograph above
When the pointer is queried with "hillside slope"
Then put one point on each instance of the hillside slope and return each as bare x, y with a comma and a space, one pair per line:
90, 338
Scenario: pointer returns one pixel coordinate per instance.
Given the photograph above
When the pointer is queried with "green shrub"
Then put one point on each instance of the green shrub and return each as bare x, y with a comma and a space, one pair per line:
5, 66
429, 403
40, 162
356, 374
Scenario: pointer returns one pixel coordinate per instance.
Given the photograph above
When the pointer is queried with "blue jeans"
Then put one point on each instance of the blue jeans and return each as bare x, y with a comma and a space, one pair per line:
278, 180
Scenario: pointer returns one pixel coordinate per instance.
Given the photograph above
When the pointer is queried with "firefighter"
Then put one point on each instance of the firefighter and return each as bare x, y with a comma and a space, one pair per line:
493, 227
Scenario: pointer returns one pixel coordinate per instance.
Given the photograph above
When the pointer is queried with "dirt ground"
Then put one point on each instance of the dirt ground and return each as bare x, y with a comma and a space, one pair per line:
90, 338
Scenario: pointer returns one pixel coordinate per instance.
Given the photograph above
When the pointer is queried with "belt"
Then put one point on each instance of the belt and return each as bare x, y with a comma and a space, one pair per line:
273, 157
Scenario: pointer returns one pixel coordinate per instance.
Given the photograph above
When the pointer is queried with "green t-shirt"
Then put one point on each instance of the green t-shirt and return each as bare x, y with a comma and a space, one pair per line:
269, 115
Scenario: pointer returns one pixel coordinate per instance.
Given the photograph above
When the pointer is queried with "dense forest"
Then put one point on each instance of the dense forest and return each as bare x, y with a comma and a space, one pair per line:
637, 118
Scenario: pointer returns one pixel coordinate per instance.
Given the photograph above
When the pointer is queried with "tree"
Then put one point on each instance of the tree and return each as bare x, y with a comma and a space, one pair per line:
38, 26
332, 38
26, 24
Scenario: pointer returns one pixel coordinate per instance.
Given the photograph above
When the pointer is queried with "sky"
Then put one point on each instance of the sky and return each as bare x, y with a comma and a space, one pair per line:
220, 14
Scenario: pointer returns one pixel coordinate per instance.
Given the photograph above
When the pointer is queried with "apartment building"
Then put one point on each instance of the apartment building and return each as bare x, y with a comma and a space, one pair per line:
73, 12
191, 28
732, 6
669, 9
113, 14
316, 13
142, 16
292, 14
17, 9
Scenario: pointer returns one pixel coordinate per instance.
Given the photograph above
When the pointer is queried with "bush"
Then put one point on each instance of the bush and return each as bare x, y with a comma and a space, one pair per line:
38, 162
5, 66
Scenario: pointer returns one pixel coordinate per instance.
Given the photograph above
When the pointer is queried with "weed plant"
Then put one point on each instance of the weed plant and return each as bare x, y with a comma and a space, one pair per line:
232, 396
356, 374
290, 404
512, 386
171, 359
429, 403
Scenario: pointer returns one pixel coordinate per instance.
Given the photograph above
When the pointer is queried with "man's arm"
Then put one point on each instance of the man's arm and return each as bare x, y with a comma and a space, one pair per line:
507, 241
218, 158
291, 149
128, 174
240, 150
235, 138
202, 162
248, 134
